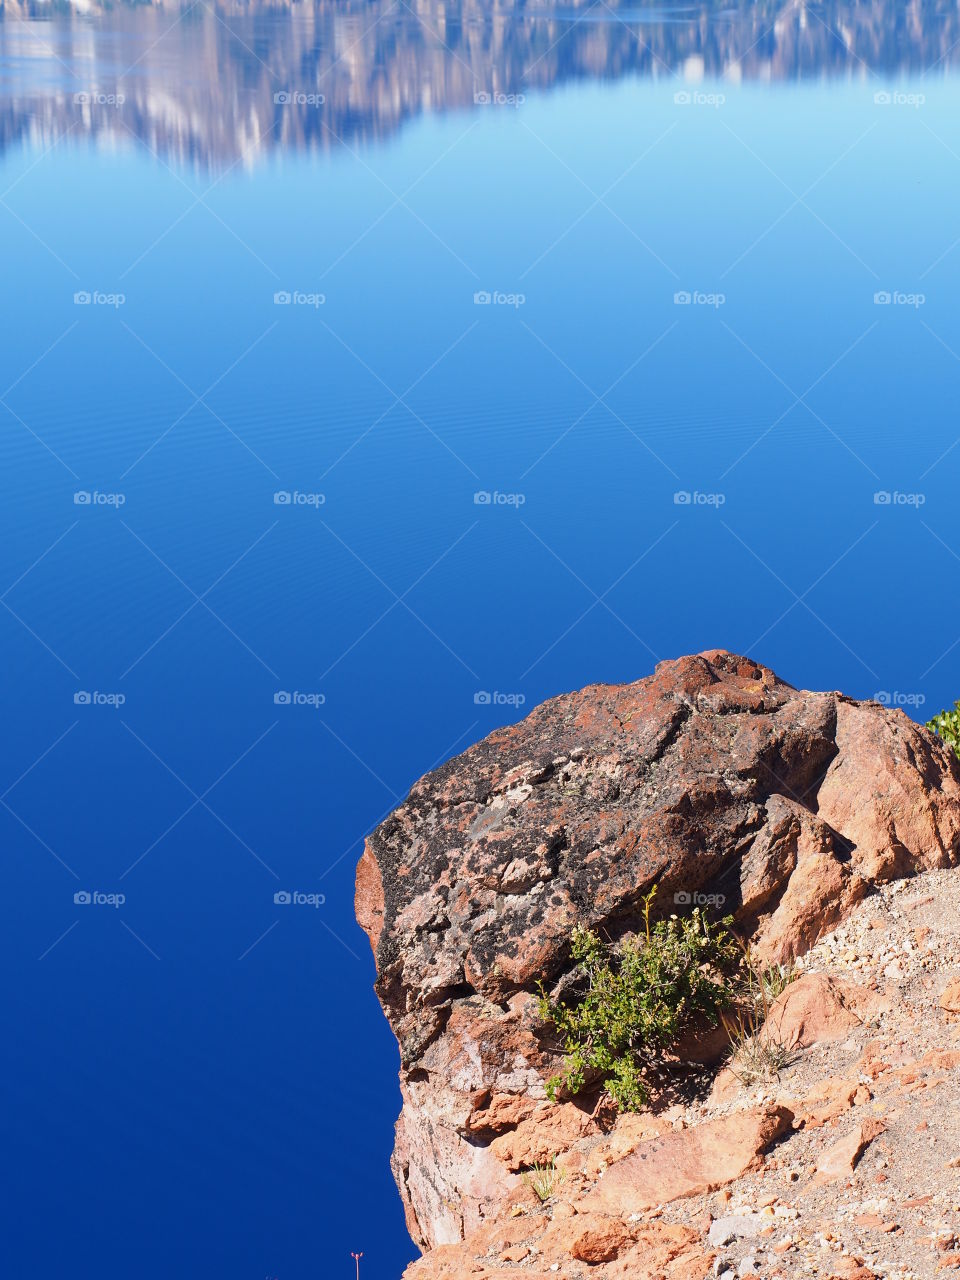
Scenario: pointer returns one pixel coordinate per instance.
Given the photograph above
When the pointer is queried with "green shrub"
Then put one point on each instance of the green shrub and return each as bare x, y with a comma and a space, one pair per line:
631, 1001
947, 726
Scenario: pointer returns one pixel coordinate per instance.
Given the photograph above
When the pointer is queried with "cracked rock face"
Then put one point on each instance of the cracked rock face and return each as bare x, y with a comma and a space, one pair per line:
711, 777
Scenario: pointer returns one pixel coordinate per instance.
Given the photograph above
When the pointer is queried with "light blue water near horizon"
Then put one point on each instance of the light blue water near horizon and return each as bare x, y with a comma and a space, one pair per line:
200, 1078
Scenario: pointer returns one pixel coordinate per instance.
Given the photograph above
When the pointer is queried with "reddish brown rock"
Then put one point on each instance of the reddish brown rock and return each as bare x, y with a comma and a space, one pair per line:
851, 1269
515, 1253
689, 1162
630, 1131
612, 1250
710, 777
501, 1113
829, 1100
945, 1059
672, 1248
885, 792
663, 1250
589, 1237
795, 880
841, 1157
817, 1010
537, 1140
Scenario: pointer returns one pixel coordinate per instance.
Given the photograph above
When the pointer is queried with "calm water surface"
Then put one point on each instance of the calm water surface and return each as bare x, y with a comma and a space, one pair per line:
586, 363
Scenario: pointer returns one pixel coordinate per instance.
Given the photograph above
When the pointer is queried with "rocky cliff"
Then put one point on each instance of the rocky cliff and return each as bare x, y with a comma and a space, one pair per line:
714, 780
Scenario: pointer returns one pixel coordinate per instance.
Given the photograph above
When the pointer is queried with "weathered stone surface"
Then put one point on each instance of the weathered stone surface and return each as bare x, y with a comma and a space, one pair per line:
613, 1250
711, 776
689, 1162
885, 792
816, 1010
589, 1237
736, 1226
840, 1158
537, 1140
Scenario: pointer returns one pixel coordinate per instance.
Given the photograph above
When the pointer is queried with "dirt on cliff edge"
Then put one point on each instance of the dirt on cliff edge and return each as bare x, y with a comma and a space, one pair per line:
862, 1182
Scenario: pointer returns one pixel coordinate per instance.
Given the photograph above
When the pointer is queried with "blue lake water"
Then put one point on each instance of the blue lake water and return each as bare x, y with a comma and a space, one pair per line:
638, 335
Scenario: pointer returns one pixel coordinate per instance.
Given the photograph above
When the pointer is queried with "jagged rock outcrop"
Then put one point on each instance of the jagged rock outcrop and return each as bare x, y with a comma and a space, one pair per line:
712, 778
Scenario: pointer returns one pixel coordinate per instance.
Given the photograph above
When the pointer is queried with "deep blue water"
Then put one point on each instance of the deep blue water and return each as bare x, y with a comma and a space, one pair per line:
198, 1081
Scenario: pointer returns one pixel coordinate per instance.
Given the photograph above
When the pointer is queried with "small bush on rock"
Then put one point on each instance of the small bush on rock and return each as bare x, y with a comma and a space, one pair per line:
947, 726
631, 1001
756, 1052
761, 983
543, 1179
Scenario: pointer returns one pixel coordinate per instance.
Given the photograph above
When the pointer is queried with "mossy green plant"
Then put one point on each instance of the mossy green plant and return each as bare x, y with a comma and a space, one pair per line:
631, 1001
946, 725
